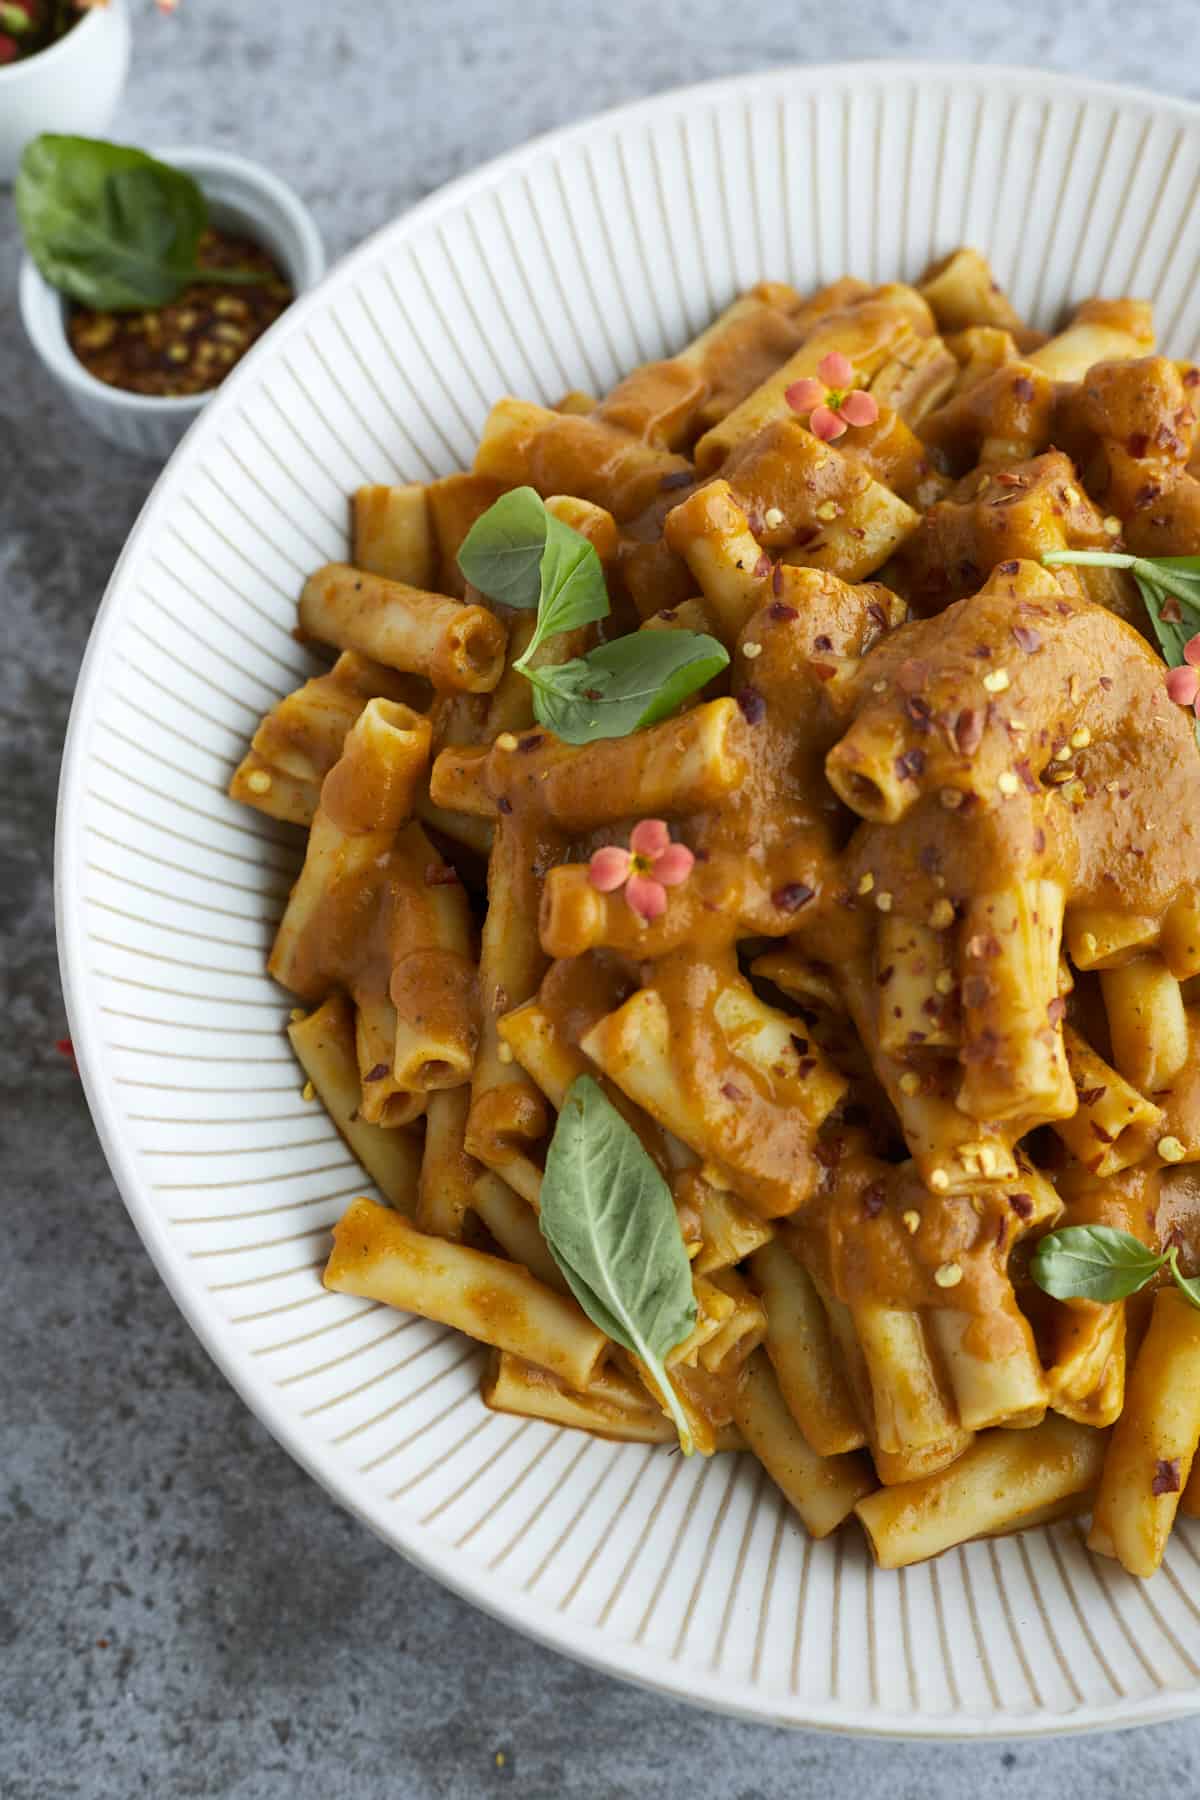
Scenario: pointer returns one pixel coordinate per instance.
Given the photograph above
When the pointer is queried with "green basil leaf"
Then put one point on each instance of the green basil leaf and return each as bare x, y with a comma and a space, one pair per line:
633, 681
501, 555
1093, 1262
610, 1223
573, 590
106, 224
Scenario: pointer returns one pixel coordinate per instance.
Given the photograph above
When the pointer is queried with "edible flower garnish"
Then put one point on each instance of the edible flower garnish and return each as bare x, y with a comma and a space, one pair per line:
1183, 682
833, 402
650, 866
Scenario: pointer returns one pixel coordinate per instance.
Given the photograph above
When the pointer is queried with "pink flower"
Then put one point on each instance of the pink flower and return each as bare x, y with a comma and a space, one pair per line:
1191, 651
650, 866
833, 402
1183, 683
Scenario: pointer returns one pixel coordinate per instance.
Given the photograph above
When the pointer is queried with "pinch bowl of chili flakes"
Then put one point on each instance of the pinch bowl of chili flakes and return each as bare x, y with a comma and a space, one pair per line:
139, 378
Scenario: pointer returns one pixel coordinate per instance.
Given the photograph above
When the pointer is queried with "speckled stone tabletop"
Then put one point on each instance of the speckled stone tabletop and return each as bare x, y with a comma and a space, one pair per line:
182, 1611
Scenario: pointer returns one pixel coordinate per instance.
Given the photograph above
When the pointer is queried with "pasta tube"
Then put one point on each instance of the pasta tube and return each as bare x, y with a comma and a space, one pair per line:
823, 1490
379, 1256
1001, 1480
1153, 1442
451, 644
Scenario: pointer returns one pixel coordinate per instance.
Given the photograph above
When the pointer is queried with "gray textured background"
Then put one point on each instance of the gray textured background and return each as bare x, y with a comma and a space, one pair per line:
182, 1612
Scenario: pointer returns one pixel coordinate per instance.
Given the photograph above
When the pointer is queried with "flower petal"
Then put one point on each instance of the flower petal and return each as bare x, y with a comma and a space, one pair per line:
674, 865
1183, 685
836, 370
859, 408
826, 424
1191, 651
647, 898
649, 838
609, 867
802, 396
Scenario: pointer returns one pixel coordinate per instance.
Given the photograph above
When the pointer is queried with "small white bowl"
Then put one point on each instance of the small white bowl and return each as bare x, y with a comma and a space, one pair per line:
242, 197
73, 86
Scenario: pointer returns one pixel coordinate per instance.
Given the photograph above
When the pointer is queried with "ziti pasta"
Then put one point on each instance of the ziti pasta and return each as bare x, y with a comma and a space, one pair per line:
750, 924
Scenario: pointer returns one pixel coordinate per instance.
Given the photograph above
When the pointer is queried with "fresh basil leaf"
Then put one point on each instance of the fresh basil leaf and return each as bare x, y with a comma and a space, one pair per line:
633, 681
573, 590
1093, 1262
501, 555
610, 1223
108, 225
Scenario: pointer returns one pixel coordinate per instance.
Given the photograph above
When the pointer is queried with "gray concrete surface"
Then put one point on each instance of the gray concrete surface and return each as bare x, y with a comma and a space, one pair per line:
182, 1612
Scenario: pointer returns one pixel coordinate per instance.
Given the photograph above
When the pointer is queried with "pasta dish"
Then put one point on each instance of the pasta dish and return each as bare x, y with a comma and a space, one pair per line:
749, 929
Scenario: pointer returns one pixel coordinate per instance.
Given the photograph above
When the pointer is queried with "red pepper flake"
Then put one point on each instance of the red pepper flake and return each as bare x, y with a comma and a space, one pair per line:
503, 805
1023, 388
680, 479
981, 652
877, 615
780, 611
440, 875
805, 1067
1027, 638
755, 521
873, 1199
762, 567
377, 1073
885, 975
1106, 682
535, 737
1137, 444
1022, 1205
919, 711
1029, 782
1056, 1010
777, 579
751, 705
1191, 377
822, 671
1146, 496
1168, 1476
1089, 1096
976, 990
1097, 1130
66, 1049
910, 765
823, 643
732, 1092
968, 730
792, 896
1039, 841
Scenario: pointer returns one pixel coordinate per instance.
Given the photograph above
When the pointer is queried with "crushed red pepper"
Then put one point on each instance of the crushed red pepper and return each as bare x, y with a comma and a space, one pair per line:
191, 344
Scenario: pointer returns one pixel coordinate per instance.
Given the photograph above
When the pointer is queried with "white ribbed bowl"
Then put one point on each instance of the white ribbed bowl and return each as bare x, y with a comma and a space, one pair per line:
557, 267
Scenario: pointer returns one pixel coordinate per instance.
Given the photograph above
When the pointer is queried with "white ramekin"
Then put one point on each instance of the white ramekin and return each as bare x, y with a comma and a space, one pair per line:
73, 86
242, 197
